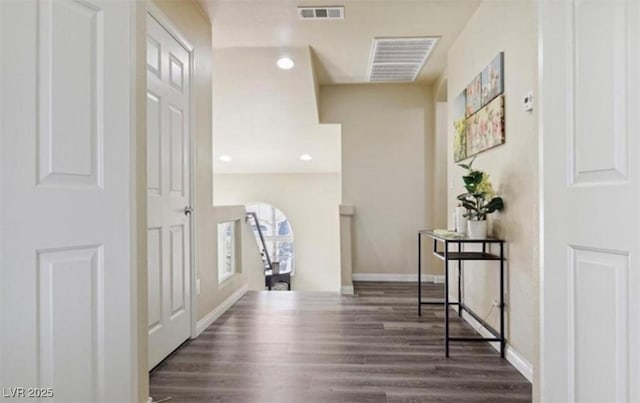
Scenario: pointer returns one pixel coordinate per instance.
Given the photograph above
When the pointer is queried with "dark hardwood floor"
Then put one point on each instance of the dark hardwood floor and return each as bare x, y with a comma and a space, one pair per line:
304, 347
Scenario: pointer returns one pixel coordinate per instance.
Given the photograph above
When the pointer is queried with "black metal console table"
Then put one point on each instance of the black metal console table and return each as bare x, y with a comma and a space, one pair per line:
460, 255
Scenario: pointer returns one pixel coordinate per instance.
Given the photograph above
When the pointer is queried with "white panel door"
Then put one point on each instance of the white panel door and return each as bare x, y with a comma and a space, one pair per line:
67, 294
590, 123
168, 192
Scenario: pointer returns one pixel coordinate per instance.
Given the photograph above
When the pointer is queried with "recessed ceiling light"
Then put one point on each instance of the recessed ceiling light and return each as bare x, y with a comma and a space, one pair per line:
225, 158
285, 63
305, 157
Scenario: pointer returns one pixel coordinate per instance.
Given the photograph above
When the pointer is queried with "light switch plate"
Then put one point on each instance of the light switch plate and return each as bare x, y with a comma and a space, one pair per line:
197, 286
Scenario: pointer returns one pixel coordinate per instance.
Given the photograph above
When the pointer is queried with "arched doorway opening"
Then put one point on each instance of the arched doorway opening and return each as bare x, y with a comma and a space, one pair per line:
278, 234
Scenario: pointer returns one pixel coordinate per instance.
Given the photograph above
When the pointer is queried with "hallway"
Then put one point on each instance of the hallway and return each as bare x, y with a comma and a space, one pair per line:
323, 347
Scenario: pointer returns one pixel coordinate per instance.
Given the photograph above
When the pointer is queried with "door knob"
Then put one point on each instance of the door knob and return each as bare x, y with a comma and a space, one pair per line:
188, 210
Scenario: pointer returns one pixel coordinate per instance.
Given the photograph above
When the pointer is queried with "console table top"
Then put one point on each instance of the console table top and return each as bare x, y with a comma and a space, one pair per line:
461, 239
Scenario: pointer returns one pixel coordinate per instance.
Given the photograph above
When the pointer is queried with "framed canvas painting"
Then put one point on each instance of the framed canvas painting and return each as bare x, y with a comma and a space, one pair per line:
474, 95
493, 79
485, 129
459, 124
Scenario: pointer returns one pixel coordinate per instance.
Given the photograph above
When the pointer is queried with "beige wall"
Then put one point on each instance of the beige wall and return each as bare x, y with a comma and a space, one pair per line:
248, 262
387, 132
507, 26
310, 202
440, 199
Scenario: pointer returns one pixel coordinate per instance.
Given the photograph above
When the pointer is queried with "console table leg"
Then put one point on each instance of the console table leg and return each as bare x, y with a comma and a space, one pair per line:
459, 283
446, 299
502, 341
419, 276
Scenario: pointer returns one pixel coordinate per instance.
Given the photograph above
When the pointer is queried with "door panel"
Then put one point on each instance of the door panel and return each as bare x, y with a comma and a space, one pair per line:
178, 267
590, 53
154, 277
168, 192
176, 72
598, 326
600, 133
177, 141
70, 121
66, 288
154, 144
79, 314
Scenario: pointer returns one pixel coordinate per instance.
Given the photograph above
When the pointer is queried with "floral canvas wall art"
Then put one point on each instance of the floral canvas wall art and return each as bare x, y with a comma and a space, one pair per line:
478, 112
474, 95
460, 140
492, 79
485, 129
459, 123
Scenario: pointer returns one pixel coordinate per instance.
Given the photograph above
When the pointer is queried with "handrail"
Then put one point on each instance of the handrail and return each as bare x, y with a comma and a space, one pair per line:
265, 252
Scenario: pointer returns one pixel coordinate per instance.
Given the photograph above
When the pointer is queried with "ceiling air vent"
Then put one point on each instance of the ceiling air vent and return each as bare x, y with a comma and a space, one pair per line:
321, 13
399, 59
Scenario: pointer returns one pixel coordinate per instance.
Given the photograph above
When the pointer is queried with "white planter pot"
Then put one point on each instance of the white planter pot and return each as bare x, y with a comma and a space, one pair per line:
477, 229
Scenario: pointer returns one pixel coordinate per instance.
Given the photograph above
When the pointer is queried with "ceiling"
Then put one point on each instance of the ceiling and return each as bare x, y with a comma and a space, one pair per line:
266, 118
341, 47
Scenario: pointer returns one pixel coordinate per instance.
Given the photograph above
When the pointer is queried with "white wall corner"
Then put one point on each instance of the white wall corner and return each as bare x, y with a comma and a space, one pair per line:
346, 290
212, 316
516, 359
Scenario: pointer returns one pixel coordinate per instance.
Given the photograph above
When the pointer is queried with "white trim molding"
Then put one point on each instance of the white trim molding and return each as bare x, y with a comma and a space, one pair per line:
346, 290
385, 277
347, 210
219, 310
399, 277
516, 359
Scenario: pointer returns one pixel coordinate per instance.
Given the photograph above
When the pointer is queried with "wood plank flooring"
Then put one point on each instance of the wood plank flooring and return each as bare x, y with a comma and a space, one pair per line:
322, 347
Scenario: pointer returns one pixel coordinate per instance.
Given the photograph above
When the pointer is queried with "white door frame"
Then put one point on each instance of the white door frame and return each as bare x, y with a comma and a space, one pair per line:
162, 19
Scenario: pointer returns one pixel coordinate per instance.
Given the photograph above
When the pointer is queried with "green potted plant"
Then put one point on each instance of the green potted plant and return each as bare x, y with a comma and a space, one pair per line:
480, 200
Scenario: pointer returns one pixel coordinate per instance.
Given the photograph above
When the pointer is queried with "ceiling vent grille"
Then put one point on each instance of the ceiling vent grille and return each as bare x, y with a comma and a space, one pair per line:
321, 13
399, 59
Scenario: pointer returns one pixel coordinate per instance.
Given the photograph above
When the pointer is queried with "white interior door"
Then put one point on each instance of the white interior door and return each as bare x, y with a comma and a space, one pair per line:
67, 294
168, 190
590, 118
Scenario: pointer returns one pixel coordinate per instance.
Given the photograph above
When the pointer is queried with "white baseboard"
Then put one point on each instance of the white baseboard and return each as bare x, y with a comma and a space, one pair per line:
384, 277
220, 309
405, 278
518, 361
346, 290
438, 278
